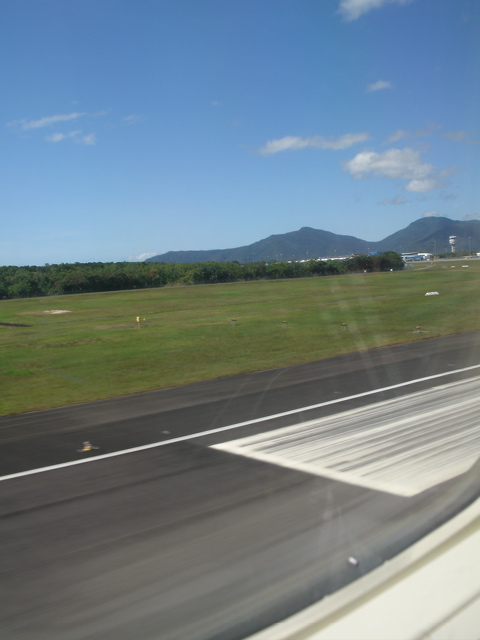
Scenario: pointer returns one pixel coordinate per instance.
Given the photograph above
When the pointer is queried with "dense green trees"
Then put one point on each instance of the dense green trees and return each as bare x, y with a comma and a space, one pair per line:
54, 279
377, 262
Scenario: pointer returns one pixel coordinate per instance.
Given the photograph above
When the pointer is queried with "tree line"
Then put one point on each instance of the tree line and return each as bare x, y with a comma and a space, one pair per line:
58, 279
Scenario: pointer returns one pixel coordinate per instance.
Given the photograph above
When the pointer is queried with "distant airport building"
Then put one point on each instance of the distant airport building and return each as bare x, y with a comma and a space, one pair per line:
416, 256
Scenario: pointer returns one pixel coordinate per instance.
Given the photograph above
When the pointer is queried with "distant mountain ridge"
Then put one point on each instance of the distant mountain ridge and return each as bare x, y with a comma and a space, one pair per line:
427, 234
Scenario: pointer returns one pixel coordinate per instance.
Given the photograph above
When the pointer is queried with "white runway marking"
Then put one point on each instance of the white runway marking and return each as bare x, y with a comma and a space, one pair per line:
229, 427
402, 446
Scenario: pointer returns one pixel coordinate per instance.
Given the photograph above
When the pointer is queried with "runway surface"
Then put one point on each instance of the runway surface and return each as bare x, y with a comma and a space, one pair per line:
402, 446
189, 540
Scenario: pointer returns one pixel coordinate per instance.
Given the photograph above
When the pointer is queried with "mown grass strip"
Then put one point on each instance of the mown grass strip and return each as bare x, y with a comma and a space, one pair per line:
186, 334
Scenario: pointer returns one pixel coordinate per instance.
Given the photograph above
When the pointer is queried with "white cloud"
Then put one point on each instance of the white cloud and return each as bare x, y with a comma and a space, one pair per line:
446, 173
429, 128
58, 137
398, 135
422, 185
394, 164
55, 137
142, 257
396, 200
88, 140
401, 133
379, 85
455, 136
472, 216
429, 214
131, 119
47, 121
449, 196
317, 142
353, 9
461, 136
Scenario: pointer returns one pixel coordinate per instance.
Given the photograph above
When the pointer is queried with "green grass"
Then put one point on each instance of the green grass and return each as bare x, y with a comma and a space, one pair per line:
98, 351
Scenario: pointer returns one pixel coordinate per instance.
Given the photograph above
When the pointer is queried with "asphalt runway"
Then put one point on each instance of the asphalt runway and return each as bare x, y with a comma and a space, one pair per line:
188, 540
402, 446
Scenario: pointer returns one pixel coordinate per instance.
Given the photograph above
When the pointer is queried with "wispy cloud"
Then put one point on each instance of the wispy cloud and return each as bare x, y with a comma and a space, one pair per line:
131, 119
58, 137
462, 136
88, 139
57, 121
46, 121
378, 86
141, 257
397, 200
472, 216
420, 133
430, 214
353, 9
398, 135
395, 164
289, 143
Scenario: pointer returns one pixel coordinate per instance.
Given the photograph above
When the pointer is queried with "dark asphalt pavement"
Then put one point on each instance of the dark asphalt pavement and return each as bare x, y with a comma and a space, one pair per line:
38, 439
188, 542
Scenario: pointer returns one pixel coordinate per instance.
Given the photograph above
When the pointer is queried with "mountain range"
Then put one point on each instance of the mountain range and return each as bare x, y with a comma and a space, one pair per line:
429, 234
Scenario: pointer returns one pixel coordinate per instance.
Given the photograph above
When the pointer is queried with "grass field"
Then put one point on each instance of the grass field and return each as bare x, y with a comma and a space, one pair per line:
98, 350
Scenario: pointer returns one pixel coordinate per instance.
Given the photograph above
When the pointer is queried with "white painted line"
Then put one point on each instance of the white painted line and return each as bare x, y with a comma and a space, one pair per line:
315, 470
229, 427
403, 446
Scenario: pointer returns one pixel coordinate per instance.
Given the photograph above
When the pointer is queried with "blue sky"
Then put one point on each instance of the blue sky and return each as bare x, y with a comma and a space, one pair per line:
134, 127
